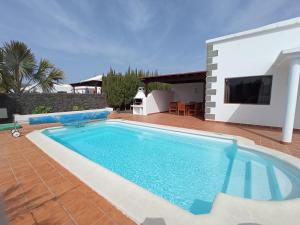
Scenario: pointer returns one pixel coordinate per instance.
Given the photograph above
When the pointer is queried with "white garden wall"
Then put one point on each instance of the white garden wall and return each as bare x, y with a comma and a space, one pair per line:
253, 55
158, 101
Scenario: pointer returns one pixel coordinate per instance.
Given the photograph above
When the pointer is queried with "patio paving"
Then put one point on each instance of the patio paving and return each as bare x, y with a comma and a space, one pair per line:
38, 191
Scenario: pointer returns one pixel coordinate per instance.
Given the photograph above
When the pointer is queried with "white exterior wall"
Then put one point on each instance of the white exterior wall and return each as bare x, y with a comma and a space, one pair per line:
253, 55
188, 92
158, 101
86, 90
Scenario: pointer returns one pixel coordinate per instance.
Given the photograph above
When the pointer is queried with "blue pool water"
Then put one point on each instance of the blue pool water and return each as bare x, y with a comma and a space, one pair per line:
187, 170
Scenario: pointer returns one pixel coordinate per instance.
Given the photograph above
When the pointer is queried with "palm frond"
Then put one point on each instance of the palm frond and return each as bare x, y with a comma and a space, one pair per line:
18, 63
47, 75
18, 69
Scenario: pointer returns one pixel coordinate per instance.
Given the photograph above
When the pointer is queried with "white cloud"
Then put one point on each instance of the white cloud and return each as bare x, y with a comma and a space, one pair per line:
137, 15
57, 14
79, 45
235, 15
62, 31
147, 33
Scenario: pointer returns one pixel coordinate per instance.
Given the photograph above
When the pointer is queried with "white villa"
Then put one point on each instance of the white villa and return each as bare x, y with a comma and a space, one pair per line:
89, 86
252, 78
77, 161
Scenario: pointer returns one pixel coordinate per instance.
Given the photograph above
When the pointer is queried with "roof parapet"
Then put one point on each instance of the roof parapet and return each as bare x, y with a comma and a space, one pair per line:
264, 29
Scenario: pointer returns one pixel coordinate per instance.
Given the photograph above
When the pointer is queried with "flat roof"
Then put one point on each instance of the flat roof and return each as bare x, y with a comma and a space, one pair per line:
287, 55
97, 77
91, 83
268, 28
176, 78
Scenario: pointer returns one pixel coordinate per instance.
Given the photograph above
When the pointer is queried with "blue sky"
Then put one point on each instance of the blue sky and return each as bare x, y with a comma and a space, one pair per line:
87, 37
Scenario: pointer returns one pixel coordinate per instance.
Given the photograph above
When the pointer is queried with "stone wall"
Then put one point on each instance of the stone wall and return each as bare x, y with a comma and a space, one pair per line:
58, 102
211, 78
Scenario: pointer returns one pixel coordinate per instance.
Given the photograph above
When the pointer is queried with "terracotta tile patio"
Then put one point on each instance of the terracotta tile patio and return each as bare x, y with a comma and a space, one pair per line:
38, 191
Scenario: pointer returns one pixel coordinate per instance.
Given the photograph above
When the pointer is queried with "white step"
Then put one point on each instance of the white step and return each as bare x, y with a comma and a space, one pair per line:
236, 184
260, 187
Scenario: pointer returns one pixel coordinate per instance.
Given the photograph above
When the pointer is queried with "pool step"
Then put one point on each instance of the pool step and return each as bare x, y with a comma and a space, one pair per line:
251, 179
260, 188
236, 183
276, 192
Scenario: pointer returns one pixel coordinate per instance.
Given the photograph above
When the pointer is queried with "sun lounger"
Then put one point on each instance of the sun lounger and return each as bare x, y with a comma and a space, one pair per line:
9, 126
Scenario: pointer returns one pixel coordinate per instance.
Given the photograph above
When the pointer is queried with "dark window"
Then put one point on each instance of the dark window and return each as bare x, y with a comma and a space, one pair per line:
248, 90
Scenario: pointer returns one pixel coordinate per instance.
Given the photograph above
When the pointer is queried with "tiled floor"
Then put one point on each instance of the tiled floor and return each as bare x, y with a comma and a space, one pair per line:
37, 190
269, 137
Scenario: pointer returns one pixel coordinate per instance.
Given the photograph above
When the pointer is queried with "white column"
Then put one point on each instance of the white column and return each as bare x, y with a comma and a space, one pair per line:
292, 92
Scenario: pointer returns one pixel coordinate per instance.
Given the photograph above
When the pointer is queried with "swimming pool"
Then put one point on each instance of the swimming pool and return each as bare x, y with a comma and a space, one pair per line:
185, 169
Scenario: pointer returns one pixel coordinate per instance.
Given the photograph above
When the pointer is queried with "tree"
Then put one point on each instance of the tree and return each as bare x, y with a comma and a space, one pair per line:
130, 85
120, 89
19, 71
157, 86
112, 86
1, 80
154, 85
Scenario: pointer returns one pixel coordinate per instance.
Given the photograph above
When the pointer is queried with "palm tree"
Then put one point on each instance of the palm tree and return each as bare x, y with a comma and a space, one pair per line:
19, 71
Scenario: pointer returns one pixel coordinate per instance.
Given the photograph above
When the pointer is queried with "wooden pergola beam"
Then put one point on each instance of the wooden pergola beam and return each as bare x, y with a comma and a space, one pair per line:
188, 77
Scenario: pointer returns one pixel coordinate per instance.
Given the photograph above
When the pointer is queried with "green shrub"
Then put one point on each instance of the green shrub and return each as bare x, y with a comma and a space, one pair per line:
158, 86
41, 109
120, 88
77, 108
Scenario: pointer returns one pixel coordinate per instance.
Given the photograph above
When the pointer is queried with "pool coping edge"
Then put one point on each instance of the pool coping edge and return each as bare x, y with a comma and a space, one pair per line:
130, 202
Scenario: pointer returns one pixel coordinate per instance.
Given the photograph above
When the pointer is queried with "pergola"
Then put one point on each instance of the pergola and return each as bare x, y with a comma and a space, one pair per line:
177, 78
89, 83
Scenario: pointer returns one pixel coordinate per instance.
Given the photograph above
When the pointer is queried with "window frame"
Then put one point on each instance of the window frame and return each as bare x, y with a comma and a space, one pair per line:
271, 88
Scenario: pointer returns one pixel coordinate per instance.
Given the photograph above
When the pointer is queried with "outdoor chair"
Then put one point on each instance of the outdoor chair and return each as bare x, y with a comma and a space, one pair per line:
13, 127
173, 107
191, 110
181, 108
